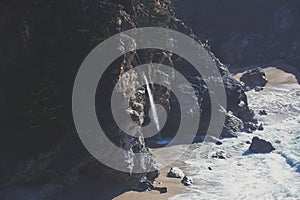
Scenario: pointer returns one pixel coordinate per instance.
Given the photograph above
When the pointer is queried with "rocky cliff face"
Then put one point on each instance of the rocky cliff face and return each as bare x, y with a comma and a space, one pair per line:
42, 47
243, 33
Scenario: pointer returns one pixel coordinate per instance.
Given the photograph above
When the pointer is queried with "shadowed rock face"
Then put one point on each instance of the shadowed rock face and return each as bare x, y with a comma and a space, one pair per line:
260, 146
254, 77
43, 45
246, 32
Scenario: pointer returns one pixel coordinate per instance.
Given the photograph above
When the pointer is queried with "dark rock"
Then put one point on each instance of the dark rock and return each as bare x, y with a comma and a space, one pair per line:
232, 125
237, 100
250, 125
248, 130
209, 168
278, 142
260, 146
258, 89
143, 186
262, 112
260, 127
187, 181
213, 139
175, 172
151, 176
58, 165
219, 155
162, 190
254, 78
269, 34
248, 142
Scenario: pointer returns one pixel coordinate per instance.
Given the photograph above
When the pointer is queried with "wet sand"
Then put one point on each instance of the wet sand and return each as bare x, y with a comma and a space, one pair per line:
173, 184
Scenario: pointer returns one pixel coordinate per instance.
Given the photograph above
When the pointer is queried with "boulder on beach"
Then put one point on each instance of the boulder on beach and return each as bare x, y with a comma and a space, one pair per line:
260, 146
175, 172
187, 181
254, 78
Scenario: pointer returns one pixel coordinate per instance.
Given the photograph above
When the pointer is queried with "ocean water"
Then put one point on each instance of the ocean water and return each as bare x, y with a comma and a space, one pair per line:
241, 175
252, 176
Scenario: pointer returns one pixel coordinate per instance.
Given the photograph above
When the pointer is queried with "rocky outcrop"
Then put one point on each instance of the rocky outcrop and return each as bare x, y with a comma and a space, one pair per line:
271, 33
260, 146
254, 78
219, 155
175, 172
262, 112
43, 53
187, 181
232, 125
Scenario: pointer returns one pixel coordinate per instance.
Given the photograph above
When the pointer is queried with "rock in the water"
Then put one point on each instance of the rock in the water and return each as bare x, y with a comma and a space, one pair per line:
248, 130
219, 155
213, 139
254, 78
250, 127
209, 168
187, 181
278, 142
260, 127
260, 146
175, 172
262, 112
232, 125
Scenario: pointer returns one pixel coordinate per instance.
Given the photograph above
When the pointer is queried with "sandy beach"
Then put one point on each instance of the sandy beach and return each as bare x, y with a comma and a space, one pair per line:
173, 184
275, 76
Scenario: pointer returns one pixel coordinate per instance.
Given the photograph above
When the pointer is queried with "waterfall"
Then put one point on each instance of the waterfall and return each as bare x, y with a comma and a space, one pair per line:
152, 104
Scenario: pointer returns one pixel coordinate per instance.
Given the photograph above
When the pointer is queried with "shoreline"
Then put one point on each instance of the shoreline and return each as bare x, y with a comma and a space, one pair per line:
275, 76
173, 185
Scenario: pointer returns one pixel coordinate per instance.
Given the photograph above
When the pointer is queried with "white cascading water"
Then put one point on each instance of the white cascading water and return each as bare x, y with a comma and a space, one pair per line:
152, 104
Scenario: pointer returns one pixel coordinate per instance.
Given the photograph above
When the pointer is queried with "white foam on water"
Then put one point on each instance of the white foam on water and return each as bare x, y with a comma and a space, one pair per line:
252, 176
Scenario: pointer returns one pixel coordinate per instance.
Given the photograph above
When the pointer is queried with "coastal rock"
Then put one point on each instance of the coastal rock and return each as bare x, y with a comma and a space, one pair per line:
213, 139
254, 78
232, 125
175, 172
260, 127
258, 89
250, 126
162, 190
260, 146
219, 155
187, 181
143, 186
262, 112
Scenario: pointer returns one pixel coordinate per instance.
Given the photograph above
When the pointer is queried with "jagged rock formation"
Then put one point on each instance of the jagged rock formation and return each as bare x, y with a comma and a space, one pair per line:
232, 125
187, 181
260, 146
271, 33
175, 172
254, 78
43, 47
